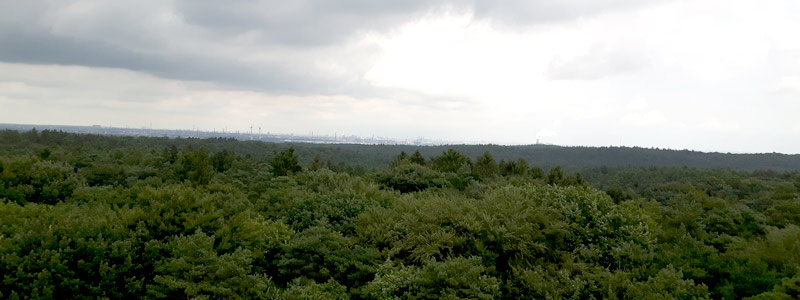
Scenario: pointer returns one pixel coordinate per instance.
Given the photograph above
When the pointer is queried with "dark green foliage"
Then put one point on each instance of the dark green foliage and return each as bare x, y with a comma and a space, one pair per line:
27, 179
536, 173
316, 164
194, 166
285, 163
104, 173
618, 195
784, 213
45, 153
399, 159
409, 177
789, 288
222, 160
321, 254
555, 176
127, 218
342, 199
417, 158
451, 161
303, 289
194, 269
518, 167
171, 154
454, 278
485, 166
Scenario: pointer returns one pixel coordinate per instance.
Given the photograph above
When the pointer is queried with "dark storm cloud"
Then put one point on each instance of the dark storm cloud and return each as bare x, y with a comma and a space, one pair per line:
109, 34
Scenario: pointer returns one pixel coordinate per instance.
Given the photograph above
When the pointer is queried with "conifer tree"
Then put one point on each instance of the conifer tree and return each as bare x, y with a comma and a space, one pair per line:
285, 163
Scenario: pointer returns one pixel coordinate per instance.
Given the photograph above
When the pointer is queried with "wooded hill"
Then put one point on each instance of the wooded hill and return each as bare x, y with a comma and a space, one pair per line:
576, 158
374, 157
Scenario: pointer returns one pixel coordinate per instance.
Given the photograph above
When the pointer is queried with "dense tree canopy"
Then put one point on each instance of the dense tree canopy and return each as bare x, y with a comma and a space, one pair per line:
121, 218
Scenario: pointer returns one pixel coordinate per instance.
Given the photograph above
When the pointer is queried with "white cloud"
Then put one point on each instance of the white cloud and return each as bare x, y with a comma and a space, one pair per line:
786, 84
599, 61
549, 134
644, 119
720, 125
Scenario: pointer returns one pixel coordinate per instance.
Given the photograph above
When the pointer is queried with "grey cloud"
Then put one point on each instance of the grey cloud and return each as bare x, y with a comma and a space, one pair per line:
319, 22
526, 12
128, 35
40, 48
35, 33
301, 22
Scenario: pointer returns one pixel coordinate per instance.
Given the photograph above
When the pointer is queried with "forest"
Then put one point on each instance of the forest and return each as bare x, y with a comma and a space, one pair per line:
99, 217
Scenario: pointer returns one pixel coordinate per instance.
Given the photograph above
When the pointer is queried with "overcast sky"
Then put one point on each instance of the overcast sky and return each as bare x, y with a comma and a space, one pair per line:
709, 75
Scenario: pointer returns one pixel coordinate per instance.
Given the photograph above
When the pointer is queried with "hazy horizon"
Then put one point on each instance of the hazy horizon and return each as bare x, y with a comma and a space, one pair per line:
367, 140
707, 75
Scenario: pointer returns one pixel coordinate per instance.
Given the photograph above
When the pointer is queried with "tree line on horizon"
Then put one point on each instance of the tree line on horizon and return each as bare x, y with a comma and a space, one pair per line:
366, 158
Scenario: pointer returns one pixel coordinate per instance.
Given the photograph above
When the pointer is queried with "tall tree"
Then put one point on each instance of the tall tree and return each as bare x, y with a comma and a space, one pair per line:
518, 167
285, 163
222, 160
485, 166
316, 164
450, 161
399, 159
418, 159
171, 154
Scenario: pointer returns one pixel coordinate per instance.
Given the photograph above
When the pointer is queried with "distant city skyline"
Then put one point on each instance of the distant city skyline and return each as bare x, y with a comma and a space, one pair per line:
237, 134
309, 138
